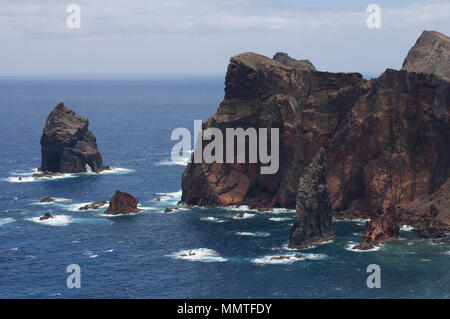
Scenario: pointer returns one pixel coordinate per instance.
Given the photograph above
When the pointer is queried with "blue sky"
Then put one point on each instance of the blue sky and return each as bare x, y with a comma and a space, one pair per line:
199, 36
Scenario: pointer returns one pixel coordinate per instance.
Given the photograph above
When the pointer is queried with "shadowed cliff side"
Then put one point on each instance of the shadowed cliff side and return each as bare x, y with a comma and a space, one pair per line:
67, 145
306, 106
313, 221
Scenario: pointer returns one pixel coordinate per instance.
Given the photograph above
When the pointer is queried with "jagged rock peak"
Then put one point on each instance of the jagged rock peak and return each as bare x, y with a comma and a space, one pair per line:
298, 64
313, 221
430, 54
67, 145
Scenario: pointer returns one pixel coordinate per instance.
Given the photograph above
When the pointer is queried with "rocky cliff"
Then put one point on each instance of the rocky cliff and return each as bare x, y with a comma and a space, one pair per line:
430, 54
306, 106
67, 145
122, 203
387, 140
313, 221
383, 227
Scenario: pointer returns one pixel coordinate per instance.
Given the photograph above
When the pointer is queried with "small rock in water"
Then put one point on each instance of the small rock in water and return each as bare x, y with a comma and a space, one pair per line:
47, 200
240, 215
46, 216
93, 205
168, 210
298, 256
190, 253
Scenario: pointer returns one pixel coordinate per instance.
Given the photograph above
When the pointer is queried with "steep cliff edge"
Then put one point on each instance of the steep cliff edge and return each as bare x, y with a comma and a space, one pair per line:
313, 221
306, 106
387, 140
430, 54
67, 145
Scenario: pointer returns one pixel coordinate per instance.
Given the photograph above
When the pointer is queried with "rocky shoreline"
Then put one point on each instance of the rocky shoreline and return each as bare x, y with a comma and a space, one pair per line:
387, 140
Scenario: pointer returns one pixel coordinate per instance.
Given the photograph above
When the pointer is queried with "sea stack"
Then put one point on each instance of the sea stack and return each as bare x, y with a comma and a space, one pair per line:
67, 145
313, 221
430, 54
383, 227
122, 203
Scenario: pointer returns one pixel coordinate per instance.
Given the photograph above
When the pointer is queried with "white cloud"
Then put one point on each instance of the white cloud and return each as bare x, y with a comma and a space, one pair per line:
124, 28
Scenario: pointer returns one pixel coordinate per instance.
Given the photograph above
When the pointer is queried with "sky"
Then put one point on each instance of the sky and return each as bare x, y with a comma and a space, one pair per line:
200, 36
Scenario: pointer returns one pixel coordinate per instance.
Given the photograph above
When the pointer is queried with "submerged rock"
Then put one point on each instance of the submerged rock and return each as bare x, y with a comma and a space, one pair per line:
67, 145
46, 216
313, 221
297, 256
93, 205
122, 203
47, 200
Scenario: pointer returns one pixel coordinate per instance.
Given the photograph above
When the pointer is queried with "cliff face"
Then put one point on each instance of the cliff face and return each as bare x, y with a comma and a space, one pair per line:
307, 107
393, 146
387, 140
383, 227
430, 54
67, 145
313, 221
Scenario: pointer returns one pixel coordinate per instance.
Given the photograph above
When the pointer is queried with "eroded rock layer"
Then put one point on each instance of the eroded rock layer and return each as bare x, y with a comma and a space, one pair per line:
306, 106
313, 221
67, 145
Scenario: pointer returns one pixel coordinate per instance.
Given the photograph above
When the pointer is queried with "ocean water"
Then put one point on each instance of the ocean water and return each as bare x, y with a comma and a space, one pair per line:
149, 255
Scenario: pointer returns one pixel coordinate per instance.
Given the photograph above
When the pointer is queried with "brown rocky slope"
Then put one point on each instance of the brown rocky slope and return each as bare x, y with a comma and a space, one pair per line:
387, 140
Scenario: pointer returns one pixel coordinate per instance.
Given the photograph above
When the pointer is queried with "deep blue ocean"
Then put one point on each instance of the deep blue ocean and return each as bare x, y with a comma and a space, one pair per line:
139, 256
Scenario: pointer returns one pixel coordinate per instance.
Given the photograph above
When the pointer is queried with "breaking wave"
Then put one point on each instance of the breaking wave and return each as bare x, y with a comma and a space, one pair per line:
212, 219
199, 254
7, 220
256, 234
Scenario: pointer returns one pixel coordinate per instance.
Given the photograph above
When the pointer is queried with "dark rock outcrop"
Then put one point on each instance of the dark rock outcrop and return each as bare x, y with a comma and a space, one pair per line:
393, 145
387, 139
47, 200
93, 205
430, 54
46, 216
122, 203
306, 106
67, 144
383, 227
313, 221
298, 64
432, 211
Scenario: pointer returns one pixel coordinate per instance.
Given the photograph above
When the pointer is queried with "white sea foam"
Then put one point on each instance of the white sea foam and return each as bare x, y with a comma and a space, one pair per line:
6, 220
199, 254
279, 219
27, 176
289, 259
244, 216
56, 200
212, 219
256, 234
183, 161
351, 244
173, 196
57, 220
109, 251
406, 228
